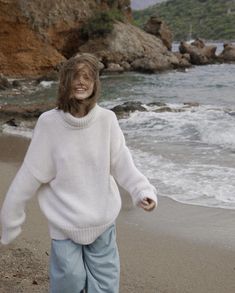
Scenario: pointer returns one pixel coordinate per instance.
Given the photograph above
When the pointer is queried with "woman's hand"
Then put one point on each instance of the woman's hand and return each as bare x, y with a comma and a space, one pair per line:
147, 204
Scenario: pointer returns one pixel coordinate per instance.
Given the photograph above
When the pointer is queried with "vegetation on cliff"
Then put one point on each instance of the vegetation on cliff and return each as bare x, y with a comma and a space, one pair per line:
208, 19
100, 24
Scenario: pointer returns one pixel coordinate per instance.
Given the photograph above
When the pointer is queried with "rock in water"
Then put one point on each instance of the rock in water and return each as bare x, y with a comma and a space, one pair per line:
200, 54
159, 28
4, 83
228, 54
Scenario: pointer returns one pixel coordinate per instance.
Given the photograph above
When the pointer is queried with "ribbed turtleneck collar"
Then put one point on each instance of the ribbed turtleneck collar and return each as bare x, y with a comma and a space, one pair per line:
79, 122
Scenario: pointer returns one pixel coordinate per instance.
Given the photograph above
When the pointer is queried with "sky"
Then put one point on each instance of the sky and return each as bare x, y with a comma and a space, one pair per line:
141, 4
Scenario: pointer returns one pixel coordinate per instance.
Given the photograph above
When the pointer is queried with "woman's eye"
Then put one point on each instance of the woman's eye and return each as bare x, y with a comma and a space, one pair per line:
83, 76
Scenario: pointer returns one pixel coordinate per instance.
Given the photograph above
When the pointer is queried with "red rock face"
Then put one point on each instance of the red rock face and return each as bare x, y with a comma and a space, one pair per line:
23, 52
33, 33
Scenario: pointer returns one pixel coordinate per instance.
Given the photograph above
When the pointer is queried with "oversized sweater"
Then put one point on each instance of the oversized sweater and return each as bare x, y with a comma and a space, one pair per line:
73, 164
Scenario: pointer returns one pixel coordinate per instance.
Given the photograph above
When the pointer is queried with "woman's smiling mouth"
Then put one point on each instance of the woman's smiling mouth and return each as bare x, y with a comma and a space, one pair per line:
79, 89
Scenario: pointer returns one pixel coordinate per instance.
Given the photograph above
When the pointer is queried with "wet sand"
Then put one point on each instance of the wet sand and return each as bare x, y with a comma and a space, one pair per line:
175, 249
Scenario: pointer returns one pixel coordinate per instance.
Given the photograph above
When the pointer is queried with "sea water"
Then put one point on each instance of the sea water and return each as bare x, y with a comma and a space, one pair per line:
189, 155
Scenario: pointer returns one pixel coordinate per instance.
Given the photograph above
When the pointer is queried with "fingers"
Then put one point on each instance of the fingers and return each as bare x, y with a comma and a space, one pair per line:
144, 202
147, 204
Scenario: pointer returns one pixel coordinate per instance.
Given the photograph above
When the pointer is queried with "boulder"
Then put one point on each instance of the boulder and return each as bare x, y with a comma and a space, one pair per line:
200, 54
157, 104
12, 122
125, 65
11, 112
4, 83
126, 108
228, 53
128, 43
50, 76
16, 83
191, 104
168, 109
114, 67
147, 65
163, 109
184, 60
198, 43
159, 28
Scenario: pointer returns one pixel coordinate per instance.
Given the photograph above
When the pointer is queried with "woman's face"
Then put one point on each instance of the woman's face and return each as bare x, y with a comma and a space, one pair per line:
83, 83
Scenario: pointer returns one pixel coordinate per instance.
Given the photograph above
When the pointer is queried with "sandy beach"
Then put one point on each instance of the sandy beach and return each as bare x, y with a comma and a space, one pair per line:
175, 249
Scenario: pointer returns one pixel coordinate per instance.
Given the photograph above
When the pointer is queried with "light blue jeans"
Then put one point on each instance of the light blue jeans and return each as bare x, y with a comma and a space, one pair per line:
94, 267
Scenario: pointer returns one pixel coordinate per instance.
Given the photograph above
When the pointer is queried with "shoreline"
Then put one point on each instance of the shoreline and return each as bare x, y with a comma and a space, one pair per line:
178, 248
21, 134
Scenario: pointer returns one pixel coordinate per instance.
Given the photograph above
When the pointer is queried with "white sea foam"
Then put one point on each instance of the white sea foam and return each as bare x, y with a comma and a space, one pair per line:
191, 183
46, 84
203, 124
19, 130
219, 134
188, 155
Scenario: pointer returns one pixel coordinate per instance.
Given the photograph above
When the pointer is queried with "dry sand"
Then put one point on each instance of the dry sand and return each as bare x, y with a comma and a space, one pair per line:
175, 249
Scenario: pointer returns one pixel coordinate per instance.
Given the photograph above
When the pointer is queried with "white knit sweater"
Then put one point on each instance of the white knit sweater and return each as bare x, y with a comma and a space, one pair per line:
71, 164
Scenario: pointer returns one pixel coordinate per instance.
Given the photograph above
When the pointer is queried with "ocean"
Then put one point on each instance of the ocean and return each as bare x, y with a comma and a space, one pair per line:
188, 153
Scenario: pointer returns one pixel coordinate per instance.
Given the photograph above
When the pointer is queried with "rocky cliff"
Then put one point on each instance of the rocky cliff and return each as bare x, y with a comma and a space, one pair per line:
37, 36
33, 33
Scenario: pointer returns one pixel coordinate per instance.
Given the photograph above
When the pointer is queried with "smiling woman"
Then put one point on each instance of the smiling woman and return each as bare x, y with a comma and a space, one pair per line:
74, 164
83, 83
79, 87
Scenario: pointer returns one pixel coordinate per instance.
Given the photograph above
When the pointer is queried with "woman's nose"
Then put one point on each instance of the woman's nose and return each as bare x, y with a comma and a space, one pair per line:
80, 81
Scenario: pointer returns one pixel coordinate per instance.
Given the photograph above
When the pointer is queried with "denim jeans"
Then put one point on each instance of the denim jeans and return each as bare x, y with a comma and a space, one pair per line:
94, 267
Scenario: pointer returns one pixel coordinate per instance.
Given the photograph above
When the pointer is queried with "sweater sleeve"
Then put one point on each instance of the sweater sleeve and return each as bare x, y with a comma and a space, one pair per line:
37, 168
12, 216
39, 156
124, 170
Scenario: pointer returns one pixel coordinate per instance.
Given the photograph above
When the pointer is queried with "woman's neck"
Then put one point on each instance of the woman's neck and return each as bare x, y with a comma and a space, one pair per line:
81, 109
77, 122
80, 113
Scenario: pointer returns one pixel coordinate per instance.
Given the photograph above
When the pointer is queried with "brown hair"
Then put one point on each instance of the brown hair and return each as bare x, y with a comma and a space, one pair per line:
68, 71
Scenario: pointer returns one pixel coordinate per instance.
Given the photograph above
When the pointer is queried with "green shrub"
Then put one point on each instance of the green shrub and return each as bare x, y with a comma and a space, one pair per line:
100, 24
111, 2
115, 14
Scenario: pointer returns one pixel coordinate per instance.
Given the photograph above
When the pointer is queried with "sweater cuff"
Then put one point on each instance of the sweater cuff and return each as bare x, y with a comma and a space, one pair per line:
150, 193
8, 235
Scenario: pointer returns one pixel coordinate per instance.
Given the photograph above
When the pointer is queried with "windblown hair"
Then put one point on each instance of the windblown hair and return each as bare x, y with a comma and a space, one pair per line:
65, 101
